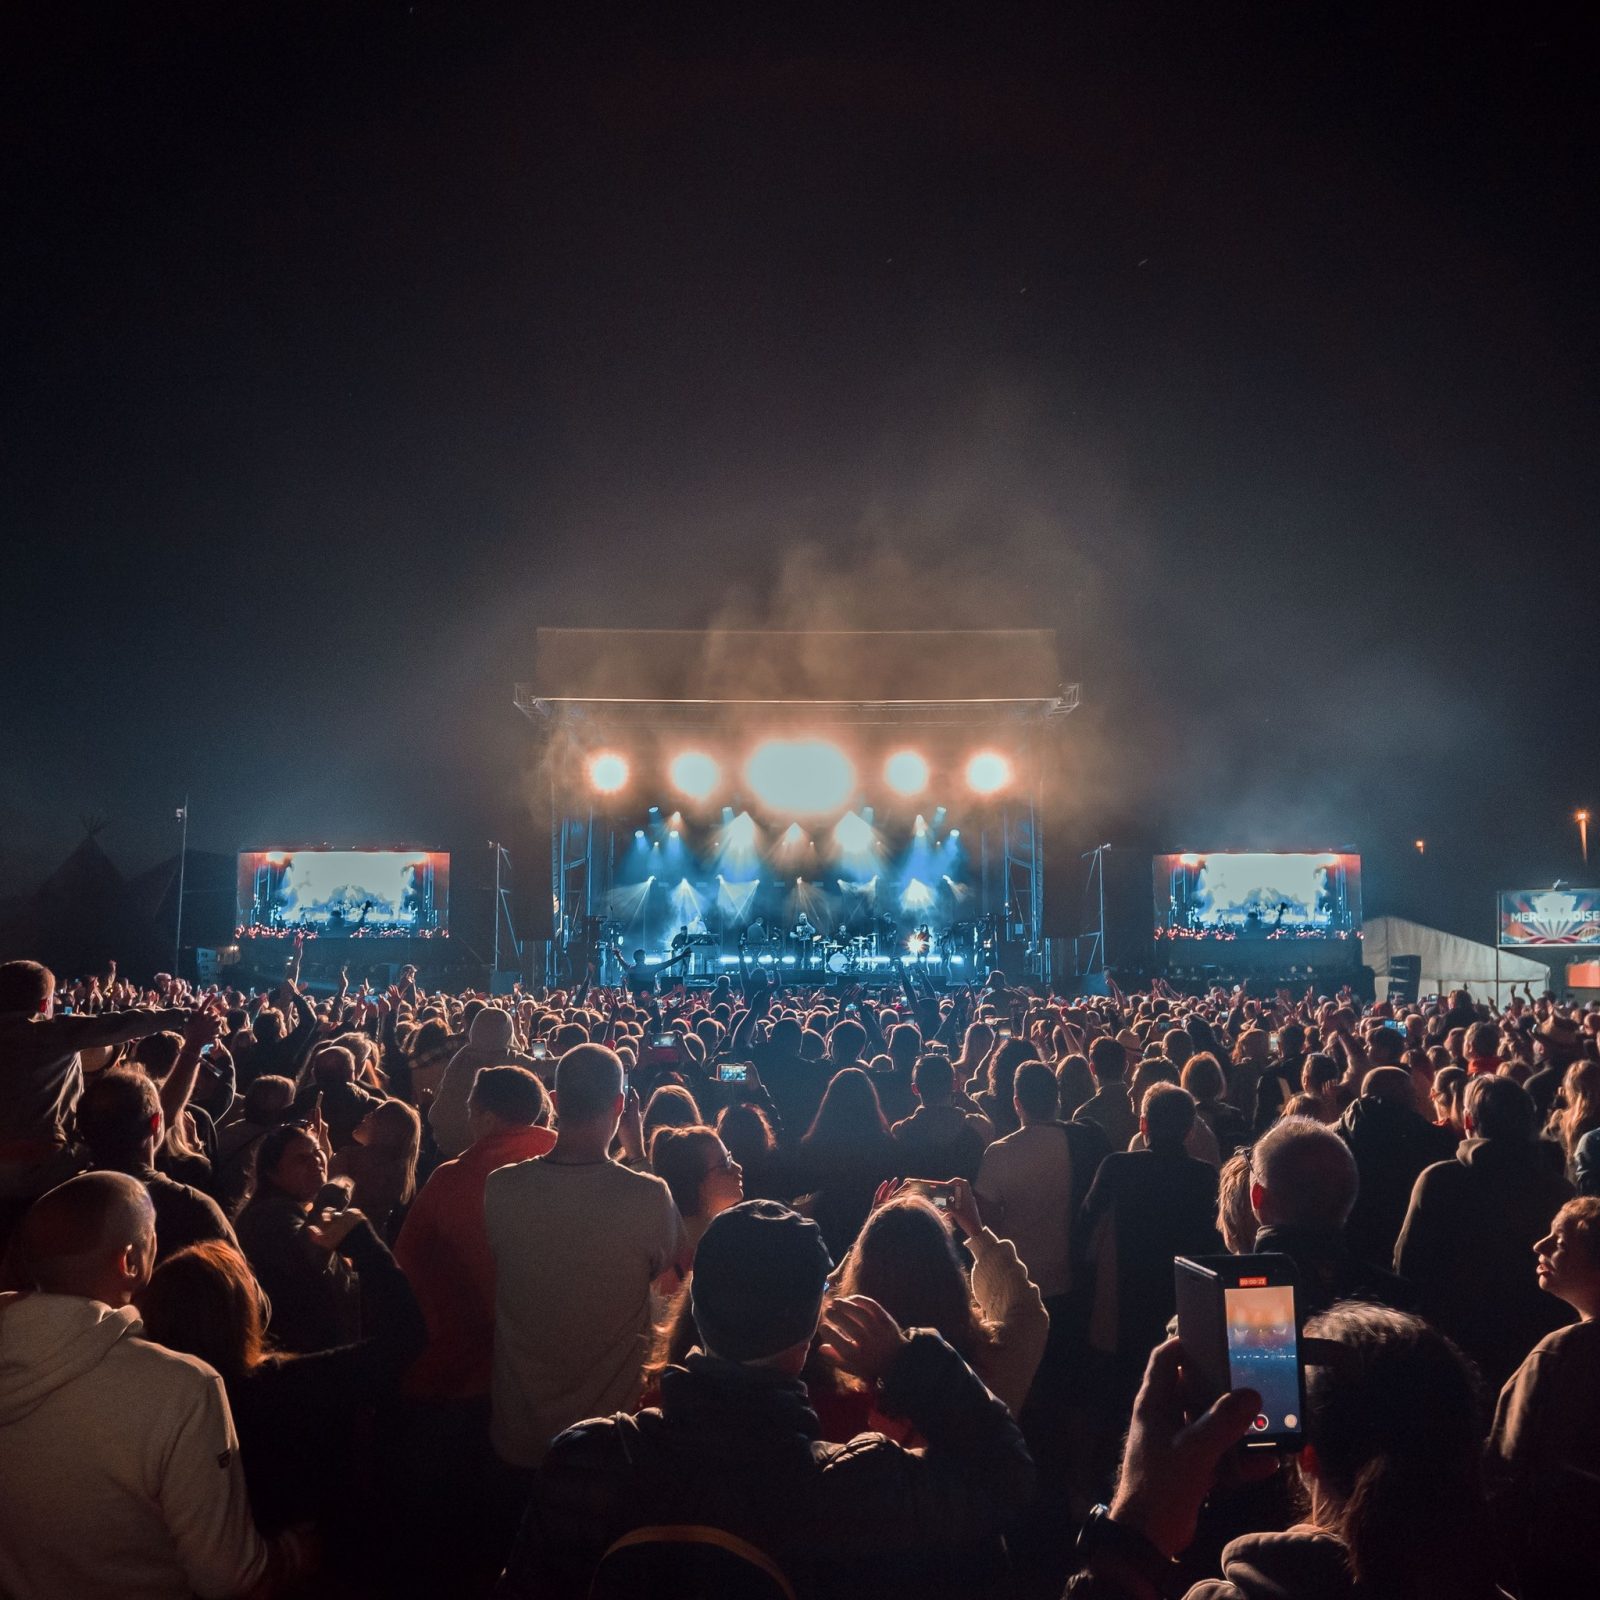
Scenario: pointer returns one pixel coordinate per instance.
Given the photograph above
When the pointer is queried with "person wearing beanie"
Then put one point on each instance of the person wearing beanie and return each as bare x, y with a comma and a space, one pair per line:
733, 1445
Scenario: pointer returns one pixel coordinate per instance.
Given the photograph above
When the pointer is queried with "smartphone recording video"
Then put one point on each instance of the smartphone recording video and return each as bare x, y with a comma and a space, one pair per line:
1239, 1325
936, 1193
733, 1072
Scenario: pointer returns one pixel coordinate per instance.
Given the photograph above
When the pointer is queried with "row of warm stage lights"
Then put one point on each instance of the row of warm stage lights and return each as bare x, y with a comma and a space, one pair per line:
803, 777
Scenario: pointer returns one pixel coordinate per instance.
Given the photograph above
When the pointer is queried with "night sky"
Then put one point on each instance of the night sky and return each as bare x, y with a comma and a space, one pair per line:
1252, 348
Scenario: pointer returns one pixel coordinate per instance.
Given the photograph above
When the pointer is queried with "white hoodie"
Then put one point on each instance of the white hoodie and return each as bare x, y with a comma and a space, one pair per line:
119, 1467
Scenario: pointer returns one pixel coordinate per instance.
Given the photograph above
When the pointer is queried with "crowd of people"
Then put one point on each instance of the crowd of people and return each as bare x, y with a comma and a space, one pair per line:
746, 1290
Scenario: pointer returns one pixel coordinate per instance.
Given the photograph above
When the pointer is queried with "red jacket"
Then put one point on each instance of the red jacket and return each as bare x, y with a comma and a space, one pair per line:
443, 1250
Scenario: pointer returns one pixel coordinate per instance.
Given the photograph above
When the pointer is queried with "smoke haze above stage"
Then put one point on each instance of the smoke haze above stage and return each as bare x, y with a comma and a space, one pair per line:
1251, 349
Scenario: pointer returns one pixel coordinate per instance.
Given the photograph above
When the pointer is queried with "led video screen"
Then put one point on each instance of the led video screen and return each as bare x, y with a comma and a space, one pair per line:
1543, 917
345, 893
1239, 894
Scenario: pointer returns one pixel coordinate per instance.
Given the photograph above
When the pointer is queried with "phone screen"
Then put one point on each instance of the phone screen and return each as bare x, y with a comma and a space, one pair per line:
539, 1050
665, 1041
1264, 1354
733, 1072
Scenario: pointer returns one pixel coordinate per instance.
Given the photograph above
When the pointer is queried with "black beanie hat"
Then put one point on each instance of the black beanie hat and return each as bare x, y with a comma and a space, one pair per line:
759, 1275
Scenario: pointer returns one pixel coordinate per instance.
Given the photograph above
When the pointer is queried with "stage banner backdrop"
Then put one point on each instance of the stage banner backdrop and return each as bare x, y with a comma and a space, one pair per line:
1545, 917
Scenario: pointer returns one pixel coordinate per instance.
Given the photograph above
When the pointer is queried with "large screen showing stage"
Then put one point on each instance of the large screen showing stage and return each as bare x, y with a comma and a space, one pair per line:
345, 893
1241, 894
1544, 917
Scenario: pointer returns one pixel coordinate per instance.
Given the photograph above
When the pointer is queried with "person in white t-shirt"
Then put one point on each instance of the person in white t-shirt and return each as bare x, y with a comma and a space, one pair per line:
1025, 1183
577, 1240
119, 1466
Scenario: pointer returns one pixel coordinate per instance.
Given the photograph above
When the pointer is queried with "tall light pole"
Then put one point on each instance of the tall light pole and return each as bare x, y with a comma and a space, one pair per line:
183, 862
1582, 819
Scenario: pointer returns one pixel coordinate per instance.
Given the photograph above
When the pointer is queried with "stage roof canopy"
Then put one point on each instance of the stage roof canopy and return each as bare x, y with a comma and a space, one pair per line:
637, 674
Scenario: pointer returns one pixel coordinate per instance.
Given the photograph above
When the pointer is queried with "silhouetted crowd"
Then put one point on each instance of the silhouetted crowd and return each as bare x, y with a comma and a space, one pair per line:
754, 1291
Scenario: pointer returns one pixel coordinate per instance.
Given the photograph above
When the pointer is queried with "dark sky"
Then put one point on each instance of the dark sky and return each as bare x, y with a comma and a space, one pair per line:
1253, 348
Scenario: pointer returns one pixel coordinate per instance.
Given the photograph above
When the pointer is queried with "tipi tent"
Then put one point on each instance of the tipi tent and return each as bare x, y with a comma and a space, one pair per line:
1448, 961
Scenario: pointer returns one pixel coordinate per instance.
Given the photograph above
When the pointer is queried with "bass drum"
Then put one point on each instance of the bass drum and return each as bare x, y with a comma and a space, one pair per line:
838, 962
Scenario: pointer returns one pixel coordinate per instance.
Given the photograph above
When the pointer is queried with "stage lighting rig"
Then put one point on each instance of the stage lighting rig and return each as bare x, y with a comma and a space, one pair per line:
988, 772
695, 774
608, 772
906, 772
802, 777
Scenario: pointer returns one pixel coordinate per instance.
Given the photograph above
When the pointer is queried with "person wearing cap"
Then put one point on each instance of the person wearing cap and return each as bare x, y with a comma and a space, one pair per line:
733, 1445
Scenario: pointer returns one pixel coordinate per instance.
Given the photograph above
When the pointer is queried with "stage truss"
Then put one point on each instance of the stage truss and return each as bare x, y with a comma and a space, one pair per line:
584, 826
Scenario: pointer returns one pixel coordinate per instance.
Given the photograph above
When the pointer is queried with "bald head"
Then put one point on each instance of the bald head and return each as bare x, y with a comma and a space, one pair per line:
1391, 1085
94, 1236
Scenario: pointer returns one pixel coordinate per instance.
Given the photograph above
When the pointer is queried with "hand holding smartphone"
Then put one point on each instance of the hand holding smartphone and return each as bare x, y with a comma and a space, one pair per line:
1239, 1324
937, 1194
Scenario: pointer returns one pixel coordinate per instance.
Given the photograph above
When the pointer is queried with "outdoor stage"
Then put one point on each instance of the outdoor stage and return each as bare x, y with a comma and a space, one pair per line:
821, 805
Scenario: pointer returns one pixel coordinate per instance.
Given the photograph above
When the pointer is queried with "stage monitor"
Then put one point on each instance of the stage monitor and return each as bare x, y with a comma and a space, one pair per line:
397, 894
1250, 895
1541, 918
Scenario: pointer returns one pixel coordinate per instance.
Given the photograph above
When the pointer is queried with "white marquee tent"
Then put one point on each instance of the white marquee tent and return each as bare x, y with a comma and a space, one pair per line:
1448, 962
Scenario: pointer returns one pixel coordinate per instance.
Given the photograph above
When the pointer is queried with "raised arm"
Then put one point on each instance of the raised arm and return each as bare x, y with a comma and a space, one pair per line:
110, 1027
201, 1028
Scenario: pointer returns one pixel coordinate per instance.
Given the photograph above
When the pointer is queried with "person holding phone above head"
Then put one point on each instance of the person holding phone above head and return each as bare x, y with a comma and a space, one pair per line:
1389, 1472
733, 1444
906, 1259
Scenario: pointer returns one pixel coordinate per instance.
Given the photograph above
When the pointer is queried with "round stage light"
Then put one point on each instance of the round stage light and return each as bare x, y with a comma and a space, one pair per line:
608, 771
906, 772
694, 773
803, 777
988, 772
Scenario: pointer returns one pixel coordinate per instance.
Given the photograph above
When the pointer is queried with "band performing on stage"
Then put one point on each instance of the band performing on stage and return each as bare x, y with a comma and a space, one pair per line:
869, 946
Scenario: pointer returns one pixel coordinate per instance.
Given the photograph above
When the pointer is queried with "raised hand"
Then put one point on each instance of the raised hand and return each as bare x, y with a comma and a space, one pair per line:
864, 1338
963, 1206
204, 1026
1174, 1450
